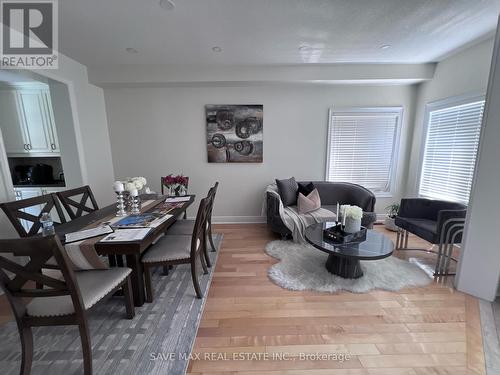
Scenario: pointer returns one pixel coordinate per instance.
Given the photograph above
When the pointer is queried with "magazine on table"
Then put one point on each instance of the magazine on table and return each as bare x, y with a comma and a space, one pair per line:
144, 220
87, 233
125, 235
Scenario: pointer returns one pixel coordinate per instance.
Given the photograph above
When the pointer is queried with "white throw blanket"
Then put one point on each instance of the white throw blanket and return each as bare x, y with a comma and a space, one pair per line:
297, 223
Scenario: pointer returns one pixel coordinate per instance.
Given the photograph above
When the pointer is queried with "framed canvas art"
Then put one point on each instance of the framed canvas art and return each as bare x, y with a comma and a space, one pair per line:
234, 133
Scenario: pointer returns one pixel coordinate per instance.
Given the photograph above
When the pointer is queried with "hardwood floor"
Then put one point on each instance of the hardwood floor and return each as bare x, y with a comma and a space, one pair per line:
273, 331
417, 331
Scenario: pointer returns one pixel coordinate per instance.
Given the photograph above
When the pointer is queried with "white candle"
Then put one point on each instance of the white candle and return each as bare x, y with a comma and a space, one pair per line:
343, 217
134, 192
337, 211
118, 186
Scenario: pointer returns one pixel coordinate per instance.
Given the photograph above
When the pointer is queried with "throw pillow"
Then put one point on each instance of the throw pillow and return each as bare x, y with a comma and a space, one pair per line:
288, 191
310, 203
306, 189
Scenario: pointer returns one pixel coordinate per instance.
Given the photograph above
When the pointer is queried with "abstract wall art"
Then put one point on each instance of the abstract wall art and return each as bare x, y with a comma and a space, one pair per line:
234, 133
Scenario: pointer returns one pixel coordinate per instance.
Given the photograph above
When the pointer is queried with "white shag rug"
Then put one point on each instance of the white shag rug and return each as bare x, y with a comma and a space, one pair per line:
302, 267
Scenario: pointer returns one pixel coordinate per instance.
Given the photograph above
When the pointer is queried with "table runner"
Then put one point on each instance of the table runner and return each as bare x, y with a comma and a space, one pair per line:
82, 254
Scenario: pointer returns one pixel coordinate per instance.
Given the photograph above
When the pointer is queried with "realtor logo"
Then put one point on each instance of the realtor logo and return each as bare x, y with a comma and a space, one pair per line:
29, 34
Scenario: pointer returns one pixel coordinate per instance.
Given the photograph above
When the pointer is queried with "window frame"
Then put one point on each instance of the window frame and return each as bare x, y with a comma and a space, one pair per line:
436, 105
399, 112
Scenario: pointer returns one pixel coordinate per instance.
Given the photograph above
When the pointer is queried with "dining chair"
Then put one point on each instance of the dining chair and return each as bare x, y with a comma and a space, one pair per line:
29, 211
164, 185
80, 201
65, 298
173, 250
84, 203
185, 227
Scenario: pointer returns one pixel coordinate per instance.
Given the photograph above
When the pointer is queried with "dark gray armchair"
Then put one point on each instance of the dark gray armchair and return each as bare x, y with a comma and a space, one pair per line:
436, 221
330, 193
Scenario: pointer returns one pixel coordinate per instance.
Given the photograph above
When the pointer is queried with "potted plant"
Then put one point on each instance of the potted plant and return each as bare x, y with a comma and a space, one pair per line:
392, 211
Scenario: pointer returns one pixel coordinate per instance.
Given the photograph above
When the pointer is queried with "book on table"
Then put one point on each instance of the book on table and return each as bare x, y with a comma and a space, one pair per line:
144, 220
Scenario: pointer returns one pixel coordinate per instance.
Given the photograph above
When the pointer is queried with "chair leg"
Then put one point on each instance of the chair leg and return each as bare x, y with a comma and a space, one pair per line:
406, 239
203, 263
86, 347
27, 348
205, 253
119, 260
195, 278
129, 299
210, 238
149, 286
112, 260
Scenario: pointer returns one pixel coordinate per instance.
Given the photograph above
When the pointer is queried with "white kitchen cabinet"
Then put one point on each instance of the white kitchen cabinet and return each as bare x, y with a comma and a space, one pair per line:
29, 126
11, 123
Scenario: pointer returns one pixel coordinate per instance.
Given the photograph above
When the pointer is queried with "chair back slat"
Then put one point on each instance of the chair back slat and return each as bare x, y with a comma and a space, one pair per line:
77, 208
15, 212
199, 226
20, 284
212, 193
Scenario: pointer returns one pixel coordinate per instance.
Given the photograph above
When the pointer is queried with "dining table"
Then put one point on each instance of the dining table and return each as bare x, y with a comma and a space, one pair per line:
131, 250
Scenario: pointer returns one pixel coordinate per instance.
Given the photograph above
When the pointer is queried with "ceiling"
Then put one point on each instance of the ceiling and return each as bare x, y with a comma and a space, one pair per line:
260, 32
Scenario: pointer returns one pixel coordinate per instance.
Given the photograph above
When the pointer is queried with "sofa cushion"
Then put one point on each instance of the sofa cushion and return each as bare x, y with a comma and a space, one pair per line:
288, 191
305, 188
310, 203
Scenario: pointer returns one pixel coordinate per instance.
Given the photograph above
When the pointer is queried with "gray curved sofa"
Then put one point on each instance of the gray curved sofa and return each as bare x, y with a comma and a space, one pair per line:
330, 193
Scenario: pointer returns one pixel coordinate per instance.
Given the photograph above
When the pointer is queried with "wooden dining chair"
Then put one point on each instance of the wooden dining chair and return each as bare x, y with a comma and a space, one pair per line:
85, 202
164, 185
64, 300
185, 227
80, 201
173, 250
19, 211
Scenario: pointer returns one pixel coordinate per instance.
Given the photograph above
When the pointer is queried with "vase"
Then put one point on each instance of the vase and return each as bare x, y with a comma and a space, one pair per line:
352, 225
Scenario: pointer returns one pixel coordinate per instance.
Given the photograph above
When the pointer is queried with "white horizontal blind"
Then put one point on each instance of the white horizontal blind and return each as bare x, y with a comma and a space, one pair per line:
450, 152
362, 147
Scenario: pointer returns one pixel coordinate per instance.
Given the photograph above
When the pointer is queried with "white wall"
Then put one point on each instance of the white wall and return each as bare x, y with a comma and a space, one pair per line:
479, 270
91, 127
463, 73
157, 131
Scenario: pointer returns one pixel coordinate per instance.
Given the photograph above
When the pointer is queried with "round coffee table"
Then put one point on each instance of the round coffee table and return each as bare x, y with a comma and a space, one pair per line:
343, 259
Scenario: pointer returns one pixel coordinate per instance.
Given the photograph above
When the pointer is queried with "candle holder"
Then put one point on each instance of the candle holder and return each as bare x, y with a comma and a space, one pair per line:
135, 206
120, 204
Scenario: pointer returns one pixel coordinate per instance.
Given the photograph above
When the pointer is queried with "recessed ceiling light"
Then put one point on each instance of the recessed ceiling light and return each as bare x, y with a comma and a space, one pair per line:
217, 49
385, 46
167, 4
131, 50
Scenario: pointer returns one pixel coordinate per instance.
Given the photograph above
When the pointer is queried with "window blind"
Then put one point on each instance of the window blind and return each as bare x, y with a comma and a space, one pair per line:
450, 152
362, 148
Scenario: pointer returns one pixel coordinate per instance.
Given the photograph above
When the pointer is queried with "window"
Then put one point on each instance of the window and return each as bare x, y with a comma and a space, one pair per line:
362, 145
451, 145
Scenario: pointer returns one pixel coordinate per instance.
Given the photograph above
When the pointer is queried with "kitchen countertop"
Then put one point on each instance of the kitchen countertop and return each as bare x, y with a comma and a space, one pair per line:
58, 184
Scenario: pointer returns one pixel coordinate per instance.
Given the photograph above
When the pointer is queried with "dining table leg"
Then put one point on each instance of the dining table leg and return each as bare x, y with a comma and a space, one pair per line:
137, 278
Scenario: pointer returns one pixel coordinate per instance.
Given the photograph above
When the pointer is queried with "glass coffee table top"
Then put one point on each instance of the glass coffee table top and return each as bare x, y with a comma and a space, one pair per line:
376, 245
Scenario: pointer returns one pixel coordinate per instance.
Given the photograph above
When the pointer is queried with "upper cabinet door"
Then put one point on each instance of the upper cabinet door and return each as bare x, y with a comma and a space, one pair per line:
11, 124
51, 124
35, 120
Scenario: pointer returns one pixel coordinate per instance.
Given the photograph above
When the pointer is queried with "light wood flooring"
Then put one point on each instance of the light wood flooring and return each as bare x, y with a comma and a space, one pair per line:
431, 330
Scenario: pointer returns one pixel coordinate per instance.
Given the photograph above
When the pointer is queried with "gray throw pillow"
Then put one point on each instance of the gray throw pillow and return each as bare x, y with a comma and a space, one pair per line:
288, 191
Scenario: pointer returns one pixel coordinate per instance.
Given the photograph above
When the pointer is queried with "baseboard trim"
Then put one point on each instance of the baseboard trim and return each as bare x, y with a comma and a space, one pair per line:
238, 219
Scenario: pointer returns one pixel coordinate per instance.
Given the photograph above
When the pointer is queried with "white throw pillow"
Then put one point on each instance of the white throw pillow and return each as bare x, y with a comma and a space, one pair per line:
310, 203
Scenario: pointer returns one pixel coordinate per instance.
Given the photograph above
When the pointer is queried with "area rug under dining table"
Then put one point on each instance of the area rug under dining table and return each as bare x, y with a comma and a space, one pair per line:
120, 346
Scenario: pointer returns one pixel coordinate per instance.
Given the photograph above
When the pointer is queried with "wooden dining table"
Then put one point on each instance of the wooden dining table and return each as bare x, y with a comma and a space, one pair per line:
132, 250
